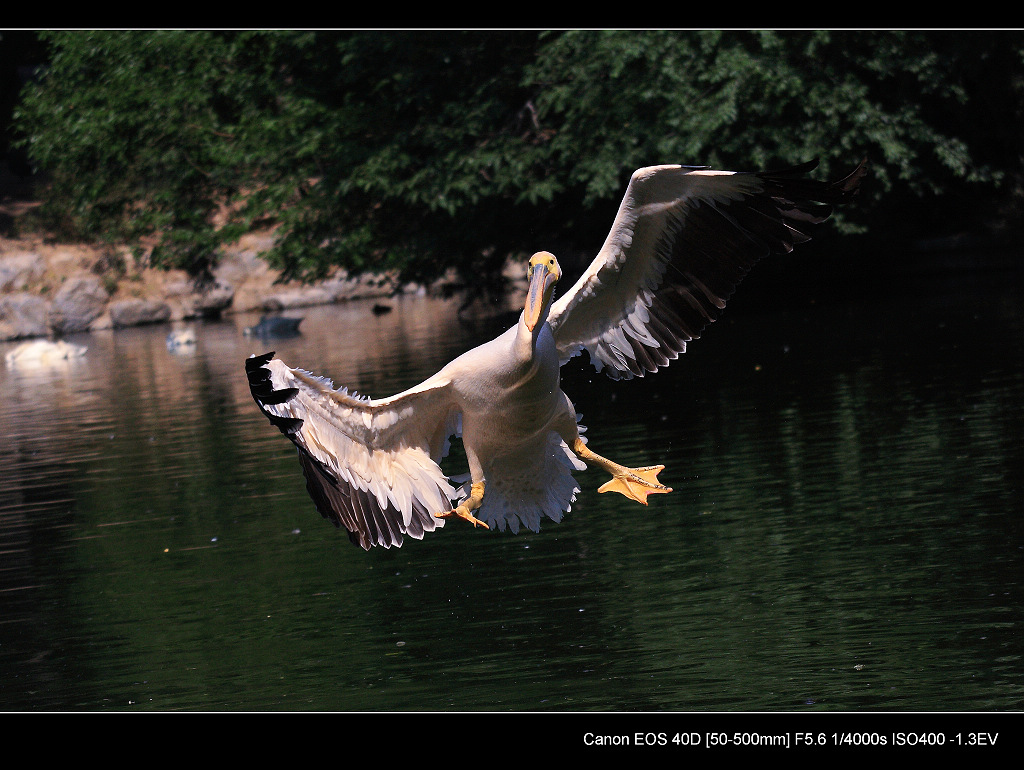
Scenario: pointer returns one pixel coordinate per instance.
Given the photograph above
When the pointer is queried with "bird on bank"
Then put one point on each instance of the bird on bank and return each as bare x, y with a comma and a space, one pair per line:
682, 239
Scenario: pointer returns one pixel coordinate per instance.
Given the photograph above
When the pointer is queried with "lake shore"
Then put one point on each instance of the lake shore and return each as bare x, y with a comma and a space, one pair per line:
49, 288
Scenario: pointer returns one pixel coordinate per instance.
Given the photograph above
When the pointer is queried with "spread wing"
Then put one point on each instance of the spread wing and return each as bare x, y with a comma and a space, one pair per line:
682, 240
371, 466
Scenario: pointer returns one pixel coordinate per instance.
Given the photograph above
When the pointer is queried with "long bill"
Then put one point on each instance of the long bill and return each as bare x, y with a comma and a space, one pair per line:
542, 284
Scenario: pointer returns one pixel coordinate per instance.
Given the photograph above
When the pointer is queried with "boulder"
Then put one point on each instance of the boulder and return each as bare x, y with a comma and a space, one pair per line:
213, 299
23, 315
17, 271
135, 312
207, 302
79, 301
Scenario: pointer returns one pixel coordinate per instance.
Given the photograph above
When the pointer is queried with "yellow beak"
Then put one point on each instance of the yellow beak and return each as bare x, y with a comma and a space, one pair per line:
542, 284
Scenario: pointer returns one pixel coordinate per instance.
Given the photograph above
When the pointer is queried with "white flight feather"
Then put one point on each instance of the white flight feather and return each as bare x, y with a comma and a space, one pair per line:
381, 446
619, 282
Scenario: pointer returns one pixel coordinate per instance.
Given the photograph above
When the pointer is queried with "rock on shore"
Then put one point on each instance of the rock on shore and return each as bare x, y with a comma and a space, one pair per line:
53, 290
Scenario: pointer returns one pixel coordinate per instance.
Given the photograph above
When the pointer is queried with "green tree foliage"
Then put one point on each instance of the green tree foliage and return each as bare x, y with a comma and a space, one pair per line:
424, 151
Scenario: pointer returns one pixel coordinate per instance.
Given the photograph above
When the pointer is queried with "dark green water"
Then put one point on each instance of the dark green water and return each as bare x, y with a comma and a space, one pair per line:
845, 532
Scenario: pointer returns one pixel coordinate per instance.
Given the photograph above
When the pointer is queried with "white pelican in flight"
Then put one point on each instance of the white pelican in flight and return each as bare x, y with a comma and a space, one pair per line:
682, 240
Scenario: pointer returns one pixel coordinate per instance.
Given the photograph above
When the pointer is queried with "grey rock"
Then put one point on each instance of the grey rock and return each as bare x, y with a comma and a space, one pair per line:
135, 312
213, 299
23, 315
209, 302
78, 302
18, 270
236, 267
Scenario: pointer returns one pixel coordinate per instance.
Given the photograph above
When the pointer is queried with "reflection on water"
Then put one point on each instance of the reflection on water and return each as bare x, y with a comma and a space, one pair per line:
845, 532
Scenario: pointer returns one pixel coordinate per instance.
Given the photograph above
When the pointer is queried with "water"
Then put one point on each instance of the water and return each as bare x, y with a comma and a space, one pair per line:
845, 532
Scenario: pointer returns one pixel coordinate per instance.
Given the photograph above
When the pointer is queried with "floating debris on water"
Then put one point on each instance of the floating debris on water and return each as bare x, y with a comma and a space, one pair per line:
43, 353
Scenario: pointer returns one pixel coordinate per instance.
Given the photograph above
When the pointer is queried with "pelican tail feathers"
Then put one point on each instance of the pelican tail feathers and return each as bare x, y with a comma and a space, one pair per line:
524, 487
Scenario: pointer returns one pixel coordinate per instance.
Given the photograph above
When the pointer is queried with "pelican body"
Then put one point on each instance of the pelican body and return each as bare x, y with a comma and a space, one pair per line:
682, 240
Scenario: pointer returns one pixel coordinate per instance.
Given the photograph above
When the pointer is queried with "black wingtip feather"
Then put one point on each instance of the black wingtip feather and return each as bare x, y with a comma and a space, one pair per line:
722, 243
254, 362
263, 393
343, 505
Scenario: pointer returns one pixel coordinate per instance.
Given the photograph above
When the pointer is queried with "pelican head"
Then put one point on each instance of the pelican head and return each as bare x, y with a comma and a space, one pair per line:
543, 273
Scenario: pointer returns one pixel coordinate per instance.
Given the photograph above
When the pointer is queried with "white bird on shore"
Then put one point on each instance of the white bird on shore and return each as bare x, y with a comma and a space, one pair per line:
682, 240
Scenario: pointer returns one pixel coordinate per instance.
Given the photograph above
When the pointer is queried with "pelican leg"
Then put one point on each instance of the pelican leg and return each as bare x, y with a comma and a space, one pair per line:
634, 483
471, 503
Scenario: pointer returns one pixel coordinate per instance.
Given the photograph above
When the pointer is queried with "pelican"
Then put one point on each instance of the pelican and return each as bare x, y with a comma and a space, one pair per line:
683, 238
